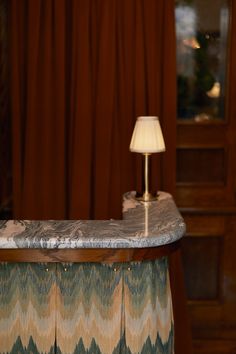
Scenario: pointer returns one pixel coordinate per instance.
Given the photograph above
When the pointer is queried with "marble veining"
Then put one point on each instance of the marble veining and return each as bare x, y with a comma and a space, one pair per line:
143, 225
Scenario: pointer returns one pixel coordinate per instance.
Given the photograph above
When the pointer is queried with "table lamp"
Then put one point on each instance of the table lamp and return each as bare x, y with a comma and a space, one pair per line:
147, 139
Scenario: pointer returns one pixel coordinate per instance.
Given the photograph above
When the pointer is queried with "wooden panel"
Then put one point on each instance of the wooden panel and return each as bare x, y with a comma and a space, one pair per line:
183, 335
218, 332
212, 319
201, 257
205, 316
213, 323
201, 134
201, 165
106, 255
205, 225
215, 347
229, 275
196, 196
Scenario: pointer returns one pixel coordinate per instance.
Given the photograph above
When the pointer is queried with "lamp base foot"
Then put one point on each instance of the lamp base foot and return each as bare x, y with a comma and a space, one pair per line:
146, 197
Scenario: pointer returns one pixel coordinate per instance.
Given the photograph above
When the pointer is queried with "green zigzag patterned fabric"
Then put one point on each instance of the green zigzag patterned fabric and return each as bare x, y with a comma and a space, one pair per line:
87, 308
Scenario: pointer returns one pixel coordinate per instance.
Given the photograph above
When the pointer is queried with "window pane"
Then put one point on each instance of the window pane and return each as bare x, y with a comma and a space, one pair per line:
202, 33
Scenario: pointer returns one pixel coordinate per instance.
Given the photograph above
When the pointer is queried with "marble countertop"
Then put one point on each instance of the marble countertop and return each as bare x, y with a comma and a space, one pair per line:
144, 225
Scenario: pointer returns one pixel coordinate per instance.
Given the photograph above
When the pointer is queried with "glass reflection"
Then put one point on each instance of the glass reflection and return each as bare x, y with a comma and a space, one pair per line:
146, 220
201, 31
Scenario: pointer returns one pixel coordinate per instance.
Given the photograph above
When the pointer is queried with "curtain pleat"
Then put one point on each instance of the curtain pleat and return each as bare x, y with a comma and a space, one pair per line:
38, 108
82, 71
80, 120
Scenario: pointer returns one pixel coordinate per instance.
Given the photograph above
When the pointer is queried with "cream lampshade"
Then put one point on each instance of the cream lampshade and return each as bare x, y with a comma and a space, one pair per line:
147, 138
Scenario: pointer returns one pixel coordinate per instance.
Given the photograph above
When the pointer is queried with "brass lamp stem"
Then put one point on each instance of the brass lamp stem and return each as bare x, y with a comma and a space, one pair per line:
146, 195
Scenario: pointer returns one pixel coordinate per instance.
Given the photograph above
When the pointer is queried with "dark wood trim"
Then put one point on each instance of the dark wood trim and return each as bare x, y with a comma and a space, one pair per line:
192, 122
198, 146
215, 345
208, 210
201, 184
104, 255
183, 336
203, 234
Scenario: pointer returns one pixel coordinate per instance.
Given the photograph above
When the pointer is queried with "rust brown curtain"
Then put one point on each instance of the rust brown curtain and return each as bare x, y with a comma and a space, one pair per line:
81, 72
5, 129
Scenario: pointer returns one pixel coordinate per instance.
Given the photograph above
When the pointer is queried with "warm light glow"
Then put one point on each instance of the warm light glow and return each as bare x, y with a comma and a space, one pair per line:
147, 136
191, 42
215, 90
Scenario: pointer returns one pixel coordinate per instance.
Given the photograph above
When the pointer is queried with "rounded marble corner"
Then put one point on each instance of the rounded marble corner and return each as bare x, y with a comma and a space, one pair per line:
143, 225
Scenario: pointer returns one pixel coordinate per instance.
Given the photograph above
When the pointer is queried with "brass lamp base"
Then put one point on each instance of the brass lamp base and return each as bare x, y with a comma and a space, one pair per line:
146, 197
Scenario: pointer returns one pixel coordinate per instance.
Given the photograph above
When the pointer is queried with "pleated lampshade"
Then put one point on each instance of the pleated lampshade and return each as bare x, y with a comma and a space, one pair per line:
147, 136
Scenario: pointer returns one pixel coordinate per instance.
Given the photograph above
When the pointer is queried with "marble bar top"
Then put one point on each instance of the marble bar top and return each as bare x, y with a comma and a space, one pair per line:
144, 225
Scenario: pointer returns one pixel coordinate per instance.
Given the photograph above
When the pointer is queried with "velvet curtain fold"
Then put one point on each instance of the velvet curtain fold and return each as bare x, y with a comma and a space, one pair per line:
81, 72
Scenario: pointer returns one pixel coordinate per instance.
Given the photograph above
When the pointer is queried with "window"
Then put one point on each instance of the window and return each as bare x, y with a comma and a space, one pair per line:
202, 36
